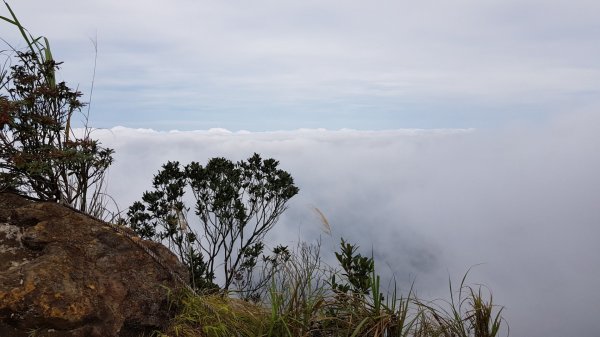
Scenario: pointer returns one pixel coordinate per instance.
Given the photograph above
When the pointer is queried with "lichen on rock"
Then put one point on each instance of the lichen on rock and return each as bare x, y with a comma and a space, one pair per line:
64, 274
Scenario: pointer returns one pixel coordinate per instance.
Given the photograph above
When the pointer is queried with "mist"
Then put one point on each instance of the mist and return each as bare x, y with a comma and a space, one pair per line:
517, 205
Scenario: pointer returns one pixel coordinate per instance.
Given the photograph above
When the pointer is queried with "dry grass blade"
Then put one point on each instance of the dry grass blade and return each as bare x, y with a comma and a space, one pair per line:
324, 221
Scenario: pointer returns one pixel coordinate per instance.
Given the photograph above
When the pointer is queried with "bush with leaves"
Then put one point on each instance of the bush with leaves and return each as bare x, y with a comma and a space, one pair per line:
236, 204
40, 154
357, 271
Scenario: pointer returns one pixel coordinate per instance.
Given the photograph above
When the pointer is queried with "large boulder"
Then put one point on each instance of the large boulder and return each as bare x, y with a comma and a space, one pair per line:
65, 274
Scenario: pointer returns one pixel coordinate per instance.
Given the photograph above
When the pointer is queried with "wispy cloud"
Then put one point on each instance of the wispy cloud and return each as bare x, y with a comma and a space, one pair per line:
399, 63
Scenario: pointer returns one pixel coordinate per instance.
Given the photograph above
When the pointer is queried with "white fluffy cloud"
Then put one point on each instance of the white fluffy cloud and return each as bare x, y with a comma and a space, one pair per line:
523, 202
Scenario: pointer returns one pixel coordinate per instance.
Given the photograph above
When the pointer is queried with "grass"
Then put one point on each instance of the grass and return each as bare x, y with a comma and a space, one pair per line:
300, 302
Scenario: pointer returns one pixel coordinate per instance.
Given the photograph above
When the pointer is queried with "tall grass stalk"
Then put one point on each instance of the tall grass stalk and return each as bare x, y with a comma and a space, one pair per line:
41, 50
468, 313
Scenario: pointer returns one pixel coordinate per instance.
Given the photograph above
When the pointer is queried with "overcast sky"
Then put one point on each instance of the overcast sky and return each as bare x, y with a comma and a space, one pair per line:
502, 172
281, 65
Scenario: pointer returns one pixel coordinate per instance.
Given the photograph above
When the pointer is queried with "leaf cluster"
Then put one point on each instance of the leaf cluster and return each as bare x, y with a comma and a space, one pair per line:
357, 270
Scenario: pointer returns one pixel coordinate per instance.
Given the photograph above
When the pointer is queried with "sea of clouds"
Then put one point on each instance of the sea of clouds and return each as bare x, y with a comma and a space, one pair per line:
520, 205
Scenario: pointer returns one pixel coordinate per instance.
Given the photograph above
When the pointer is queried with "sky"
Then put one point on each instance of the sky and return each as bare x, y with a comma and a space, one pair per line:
438, 135
282, 65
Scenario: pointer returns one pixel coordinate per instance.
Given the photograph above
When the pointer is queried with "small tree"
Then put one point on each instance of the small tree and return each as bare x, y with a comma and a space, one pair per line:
40, 155
357, 270
236, 205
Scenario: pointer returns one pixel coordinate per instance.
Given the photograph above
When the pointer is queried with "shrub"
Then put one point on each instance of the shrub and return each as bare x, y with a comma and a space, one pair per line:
40, 154
236, 205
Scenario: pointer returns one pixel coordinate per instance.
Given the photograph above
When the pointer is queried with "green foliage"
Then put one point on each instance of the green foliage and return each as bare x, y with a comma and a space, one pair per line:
236, 205
357, 270
40, 155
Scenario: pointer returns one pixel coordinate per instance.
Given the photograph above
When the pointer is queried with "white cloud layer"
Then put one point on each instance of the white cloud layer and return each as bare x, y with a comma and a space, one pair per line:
523, 202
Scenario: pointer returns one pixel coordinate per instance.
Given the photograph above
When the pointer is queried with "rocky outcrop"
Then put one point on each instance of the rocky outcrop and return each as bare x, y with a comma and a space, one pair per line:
65, 274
